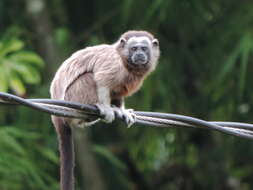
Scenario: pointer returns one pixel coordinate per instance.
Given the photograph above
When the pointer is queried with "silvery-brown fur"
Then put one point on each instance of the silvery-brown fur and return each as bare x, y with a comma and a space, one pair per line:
87, 71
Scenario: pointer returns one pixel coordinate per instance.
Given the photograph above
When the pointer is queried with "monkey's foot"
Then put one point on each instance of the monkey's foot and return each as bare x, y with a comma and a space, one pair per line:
107, 112
127, 114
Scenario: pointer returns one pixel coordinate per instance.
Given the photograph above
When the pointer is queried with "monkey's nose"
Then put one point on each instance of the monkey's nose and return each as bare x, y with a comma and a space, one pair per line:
140, 58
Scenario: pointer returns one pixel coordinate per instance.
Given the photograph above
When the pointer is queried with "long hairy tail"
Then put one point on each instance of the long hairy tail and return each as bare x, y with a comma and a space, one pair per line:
66, 149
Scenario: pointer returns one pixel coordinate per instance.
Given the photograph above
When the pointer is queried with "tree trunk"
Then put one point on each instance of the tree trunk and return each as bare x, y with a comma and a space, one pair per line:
43, 29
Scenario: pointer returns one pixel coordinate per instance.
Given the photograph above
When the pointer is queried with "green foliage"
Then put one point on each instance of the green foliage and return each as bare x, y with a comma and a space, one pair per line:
241, 53
17, 163
18, 66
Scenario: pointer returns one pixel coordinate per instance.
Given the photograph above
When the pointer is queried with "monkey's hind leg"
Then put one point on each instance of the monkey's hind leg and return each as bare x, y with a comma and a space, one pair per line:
83, 90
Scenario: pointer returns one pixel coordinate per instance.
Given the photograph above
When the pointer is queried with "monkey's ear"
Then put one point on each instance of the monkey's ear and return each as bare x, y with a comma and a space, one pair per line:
122, 42
155, 42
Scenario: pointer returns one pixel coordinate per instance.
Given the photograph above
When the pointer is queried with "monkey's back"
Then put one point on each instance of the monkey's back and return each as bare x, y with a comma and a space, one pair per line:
76, 74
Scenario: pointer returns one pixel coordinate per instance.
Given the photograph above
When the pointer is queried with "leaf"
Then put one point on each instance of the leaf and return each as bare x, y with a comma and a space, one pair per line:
28, 73
17, 85
27, 56
19, 66
11, 46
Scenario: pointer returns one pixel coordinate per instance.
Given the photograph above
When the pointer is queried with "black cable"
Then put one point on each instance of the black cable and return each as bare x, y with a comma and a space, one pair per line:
77, 110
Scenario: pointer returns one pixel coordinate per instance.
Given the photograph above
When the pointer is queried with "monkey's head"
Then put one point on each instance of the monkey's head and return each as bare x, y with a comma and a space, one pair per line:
139, 51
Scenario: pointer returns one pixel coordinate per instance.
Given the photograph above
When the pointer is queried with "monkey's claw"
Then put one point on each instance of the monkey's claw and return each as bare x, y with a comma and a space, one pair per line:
107, 112
127, 114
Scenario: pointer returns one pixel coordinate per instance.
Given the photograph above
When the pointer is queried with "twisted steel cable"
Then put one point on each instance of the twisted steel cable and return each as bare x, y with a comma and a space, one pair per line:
77, 110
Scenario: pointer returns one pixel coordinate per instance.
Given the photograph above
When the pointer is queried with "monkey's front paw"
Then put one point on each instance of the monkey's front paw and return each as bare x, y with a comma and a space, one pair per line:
127, 114
106, 112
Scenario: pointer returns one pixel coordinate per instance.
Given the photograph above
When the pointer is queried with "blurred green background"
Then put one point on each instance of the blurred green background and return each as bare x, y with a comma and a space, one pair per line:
205, 71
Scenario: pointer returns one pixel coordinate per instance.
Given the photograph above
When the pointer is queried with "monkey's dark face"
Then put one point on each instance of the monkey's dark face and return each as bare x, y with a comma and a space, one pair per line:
139, 52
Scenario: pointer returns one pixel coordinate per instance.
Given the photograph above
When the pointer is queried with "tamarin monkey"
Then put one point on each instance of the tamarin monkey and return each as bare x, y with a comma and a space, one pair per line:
102, 75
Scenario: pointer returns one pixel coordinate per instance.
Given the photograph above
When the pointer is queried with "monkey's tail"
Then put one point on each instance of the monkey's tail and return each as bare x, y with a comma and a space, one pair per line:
66, 149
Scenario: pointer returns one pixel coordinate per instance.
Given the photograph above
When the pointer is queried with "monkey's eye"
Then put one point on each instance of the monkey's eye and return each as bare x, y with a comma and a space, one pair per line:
144, 48
134, 48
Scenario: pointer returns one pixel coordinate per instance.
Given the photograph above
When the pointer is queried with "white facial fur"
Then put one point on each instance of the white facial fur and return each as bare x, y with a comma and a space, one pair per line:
139, 40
